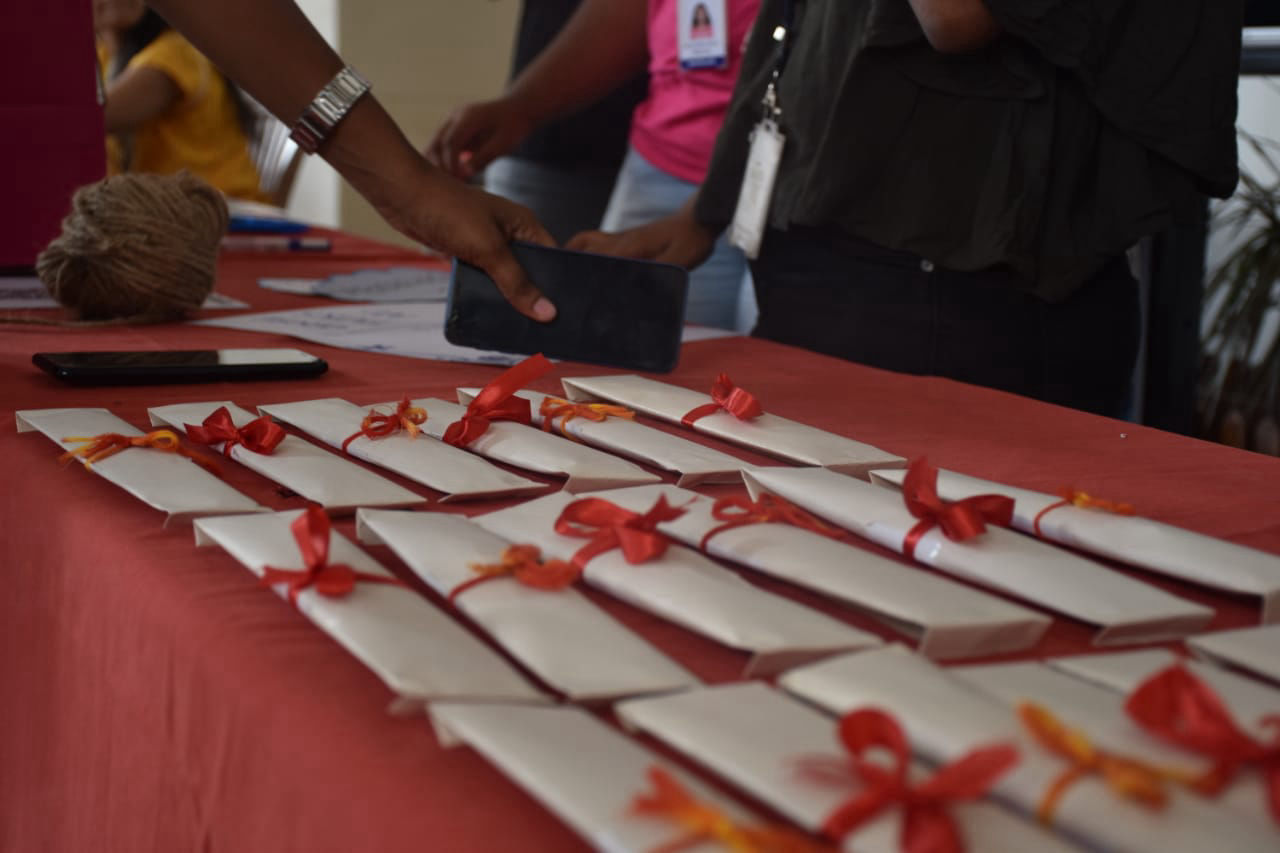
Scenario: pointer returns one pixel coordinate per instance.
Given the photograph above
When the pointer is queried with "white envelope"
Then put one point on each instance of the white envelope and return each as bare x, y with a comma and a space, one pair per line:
1256, 650
337, 484
434, 464
582, 770
694, 463
417, 650
944, 718
949, 619
1140, 542
1128, 611
756, 736
687, 588
174, 485
768, 433
560, 636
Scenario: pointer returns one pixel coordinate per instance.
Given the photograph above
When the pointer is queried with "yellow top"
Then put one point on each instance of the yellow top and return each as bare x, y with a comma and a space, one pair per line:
200, 132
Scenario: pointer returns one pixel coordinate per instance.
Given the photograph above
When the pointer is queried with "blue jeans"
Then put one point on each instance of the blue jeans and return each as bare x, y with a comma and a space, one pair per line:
565, 200
720, 291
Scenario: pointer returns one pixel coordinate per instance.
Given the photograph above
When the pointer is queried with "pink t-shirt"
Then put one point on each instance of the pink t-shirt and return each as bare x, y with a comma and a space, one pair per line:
675, 127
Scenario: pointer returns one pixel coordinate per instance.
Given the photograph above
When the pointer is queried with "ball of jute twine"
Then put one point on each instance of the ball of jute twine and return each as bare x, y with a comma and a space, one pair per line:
136, 248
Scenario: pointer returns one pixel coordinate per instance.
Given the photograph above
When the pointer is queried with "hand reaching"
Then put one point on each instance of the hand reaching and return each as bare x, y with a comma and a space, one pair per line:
476, 134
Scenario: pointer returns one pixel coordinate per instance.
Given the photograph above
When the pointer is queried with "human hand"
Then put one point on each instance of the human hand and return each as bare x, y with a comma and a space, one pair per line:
476, 134
674, 239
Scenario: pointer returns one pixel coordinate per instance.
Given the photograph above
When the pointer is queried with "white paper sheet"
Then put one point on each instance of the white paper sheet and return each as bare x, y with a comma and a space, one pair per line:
337, 484
416, 650
687, 588
457, 473
560, 636
174, 485
769, 433
1128, 611
29, 292
1256, 650
1137, 541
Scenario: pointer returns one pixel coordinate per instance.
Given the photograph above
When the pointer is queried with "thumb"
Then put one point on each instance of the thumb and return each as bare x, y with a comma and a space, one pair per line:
584, 241
515, 285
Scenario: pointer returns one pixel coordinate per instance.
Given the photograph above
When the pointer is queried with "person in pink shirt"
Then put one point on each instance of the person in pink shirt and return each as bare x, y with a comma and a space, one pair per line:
692, 50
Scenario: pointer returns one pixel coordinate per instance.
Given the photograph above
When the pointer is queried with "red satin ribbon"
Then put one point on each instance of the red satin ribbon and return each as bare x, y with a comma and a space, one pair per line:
332, 580
609, 526
740, 510
1084, 500
728, 397
554, 407
496, 402
95, 448
260, 435
375, 425
1178, 707
926, 825
959, 520
524, 563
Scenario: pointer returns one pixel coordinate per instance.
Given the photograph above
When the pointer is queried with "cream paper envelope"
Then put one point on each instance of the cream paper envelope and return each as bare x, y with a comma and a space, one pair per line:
944, 718
694, 463
1140, 542
756, 737
1128, 611
534, 450
337, 484
768, 433
949, 619
1256, 650
434, 464
417, 650
560, 636
687, 588
579, 768
174, 485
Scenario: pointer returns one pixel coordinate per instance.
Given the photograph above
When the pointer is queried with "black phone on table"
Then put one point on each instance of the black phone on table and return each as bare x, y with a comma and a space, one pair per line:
154, 367
611, 311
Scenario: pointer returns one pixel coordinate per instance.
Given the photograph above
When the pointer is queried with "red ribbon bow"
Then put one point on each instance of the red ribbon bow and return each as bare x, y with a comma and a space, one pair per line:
497, 402
926, 826
1178, 707
95, 448
524, 563
332, 580
406, 417
740, 510
609, 526
260, 435
743, 405
959, 520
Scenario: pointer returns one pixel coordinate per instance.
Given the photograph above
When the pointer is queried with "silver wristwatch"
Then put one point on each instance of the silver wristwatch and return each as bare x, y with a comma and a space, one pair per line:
328, 108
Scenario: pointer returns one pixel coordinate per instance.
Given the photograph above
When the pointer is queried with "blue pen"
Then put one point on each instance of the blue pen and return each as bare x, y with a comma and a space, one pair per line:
273, 243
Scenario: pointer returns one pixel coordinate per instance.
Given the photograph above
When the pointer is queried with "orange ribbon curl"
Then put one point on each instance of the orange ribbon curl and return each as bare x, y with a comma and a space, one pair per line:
740, 510
609, 526
98, 447
555, 407
376, 425
728, 397
497, 402
1084, 500
958, 520
260, 435
524, 563
332, 580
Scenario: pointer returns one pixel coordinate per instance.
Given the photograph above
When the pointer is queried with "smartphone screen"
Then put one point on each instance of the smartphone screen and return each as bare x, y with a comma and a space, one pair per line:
611, 311
144, 367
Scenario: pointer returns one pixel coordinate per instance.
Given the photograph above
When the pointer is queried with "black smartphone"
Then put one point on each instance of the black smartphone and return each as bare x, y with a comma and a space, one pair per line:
611, 311
153, 367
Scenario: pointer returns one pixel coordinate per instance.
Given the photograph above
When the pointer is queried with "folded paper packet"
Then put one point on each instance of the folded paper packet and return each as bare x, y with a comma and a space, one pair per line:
559, 635
689, 589
417, 650
580, 769
771, 434
945, 718
1130, 539
758, 737
1128, 611
460, 475
334, 483
1255, 650
174, 485
949, 619
694, 463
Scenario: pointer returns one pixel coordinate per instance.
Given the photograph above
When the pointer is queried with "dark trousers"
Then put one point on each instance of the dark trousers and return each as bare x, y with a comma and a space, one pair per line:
844, 297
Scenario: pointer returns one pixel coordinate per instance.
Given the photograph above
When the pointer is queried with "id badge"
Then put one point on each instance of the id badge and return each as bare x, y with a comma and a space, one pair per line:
702, 33
752, 211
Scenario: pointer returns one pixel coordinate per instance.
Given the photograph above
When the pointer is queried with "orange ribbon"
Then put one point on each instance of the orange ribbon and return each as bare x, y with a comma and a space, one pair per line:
260, 435
378, 425
740, 510
609, 526
497, 402
524, 563
728, 397
555, 407
332, 580
1178, 707
703, 821
99, 447
1084, 500
958, 520
927, 827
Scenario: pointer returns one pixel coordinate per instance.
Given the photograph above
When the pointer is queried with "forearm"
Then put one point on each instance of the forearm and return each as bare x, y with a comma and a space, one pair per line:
955, 26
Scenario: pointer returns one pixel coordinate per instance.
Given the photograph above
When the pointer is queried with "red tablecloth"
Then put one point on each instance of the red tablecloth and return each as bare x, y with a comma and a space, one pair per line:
156, 699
